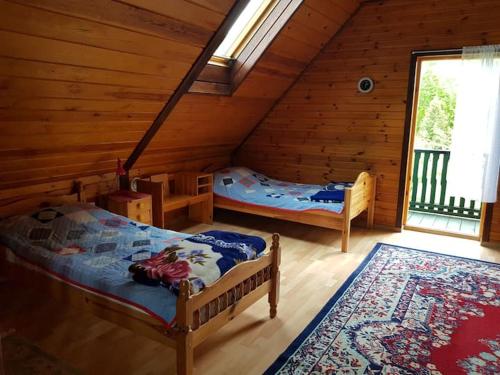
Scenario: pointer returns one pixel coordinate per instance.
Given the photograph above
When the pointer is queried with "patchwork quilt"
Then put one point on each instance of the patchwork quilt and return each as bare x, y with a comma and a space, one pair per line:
93, 248
247, 186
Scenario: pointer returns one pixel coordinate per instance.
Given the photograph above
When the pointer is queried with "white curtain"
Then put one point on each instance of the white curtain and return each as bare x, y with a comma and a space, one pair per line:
475, 150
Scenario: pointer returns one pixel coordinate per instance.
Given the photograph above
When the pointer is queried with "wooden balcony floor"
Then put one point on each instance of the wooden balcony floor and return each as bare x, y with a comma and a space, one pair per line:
443, 223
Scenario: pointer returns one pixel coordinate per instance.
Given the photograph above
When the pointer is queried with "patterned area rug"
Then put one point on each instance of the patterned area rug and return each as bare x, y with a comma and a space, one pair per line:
405, 311
21, 357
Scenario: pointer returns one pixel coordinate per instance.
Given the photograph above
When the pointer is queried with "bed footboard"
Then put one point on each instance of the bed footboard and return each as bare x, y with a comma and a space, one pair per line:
201, 314
358, 198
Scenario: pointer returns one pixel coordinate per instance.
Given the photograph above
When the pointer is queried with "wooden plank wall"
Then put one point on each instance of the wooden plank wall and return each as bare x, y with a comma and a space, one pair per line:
94, 184
218, 124
82, 80
323, 129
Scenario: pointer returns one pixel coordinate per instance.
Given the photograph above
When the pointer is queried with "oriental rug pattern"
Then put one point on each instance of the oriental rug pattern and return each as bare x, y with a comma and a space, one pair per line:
405, 311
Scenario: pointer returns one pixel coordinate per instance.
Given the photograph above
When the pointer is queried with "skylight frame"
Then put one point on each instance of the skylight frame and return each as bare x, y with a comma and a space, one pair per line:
223, 76
246, 33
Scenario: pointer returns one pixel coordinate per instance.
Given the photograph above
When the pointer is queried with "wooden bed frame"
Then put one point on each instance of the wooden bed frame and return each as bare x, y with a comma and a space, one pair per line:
358, 198
198, 315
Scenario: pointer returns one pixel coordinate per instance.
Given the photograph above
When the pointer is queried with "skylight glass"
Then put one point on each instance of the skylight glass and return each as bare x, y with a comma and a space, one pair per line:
244, 27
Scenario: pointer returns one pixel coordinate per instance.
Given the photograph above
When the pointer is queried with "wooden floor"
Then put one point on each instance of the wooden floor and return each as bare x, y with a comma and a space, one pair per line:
443, 223
313, 268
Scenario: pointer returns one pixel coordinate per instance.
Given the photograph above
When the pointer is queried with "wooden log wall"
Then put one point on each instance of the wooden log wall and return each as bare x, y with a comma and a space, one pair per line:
95, 185
322, 129
82, 80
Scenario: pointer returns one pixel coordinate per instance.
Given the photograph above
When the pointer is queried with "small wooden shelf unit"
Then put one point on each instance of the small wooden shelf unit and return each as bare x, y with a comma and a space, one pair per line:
172, 192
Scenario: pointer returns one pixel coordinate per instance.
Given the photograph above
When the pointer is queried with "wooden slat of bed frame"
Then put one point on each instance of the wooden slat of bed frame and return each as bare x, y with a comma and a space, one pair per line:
318, 218
23, 204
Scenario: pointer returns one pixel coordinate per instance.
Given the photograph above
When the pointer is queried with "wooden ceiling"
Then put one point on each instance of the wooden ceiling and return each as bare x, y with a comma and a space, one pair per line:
218, 124
82, 80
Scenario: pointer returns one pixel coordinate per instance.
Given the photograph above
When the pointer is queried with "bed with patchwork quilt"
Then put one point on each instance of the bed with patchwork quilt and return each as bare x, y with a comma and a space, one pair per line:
96, 249
332, 206
161, 282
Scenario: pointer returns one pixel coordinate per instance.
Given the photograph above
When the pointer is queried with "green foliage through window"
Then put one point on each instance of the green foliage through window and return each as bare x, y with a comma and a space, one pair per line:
436, 104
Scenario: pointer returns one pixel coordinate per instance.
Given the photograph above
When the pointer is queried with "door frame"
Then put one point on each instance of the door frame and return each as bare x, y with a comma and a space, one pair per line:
409, 126
408, 138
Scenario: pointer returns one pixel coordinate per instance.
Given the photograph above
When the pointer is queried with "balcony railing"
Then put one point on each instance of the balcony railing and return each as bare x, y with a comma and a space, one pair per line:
428, 188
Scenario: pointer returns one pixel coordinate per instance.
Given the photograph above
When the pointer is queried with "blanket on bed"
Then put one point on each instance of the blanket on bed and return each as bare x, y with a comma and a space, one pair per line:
247, 186
93, 249
188, 260
331, 193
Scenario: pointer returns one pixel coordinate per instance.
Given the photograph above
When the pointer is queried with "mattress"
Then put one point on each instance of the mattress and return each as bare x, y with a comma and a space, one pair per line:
247, 186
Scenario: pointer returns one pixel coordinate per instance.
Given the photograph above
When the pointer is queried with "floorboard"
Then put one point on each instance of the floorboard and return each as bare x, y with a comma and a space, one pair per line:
313, 268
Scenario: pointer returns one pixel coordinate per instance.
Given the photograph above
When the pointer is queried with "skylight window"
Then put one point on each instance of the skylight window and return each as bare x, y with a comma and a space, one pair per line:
243, 29
257, 25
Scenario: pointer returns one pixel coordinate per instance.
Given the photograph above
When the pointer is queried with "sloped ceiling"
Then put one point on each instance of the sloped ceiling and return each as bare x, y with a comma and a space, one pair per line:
82, 80
211, 127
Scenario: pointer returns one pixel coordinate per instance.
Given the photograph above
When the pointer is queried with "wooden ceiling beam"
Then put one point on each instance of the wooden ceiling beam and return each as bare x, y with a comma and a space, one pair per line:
184, 86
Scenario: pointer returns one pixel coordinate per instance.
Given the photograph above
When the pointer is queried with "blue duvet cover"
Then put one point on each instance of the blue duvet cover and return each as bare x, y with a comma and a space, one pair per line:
93, 248
247, 186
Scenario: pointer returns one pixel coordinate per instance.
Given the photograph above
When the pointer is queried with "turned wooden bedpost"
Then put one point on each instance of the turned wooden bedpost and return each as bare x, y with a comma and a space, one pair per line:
184, 320
346, 229
371, 205
275, 276
80, 191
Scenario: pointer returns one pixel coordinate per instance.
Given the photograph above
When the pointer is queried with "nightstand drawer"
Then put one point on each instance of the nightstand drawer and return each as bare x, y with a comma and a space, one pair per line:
135, 206
142, 215
139, 205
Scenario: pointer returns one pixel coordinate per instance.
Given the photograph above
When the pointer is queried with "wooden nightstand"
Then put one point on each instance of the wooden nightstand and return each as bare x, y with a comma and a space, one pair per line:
135, 206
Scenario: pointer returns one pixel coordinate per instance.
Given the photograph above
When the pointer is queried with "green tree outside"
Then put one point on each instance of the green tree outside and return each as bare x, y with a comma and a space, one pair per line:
436, 107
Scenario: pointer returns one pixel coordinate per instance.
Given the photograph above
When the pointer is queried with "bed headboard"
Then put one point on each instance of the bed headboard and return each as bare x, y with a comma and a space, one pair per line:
25, 204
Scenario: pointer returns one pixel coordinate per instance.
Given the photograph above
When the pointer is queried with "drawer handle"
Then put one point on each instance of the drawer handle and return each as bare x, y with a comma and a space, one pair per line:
139, 217
140, 205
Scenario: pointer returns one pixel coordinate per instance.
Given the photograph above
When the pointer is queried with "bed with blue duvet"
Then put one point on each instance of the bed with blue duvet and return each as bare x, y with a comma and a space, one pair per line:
332, 205
135, 264
247, 186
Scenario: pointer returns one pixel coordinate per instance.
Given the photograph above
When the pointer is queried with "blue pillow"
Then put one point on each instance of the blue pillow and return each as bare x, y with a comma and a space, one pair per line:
331, 193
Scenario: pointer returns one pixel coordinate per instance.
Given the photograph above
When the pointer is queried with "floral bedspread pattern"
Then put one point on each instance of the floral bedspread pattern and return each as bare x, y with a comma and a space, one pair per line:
201, 259
247, 186
405, 311
93, 248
